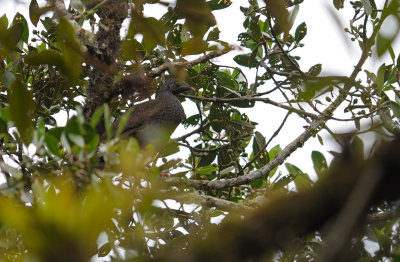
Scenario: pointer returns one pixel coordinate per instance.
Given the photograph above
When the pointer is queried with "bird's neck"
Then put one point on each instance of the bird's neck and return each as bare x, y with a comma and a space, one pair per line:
167, 95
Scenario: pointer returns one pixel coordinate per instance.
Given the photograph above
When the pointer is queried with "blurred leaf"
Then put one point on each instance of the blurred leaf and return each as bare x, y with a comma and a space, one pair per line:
170, 148
20, 19
302, 180
49, 57
395, 108
130, 48
243, 124
196, 46
3, 22
216, 116
258, 183
21, 109
320, 164
213, 35
169, 18
224, 159
207, 159
293, 15
10, 37
35, 11
197, 14
282, 182
52, 144
8, 79
258, 142
70, 49
39, 133
152, 29
218, 4
357, 147
226, 80
107, 123
245, 60
105, 249
315, 70
277, 9
380, 78
96, 116
367, 6
123, 121
339, 4
382, 44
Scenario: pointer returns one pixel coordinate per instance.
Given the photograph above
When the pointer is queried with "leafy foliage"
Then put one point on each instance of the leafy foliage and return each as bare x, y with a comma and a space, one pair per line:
77, 191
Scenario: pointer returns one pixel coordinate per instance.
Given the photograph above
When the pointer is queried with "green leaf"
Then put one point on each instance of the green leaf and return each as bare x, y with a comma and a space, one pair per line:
243, 124
213, 35
315, 70
105, 249
207, 159
52, 144
170, 148
107, 118
197, 14
319, 161
301, 32
20, 19
39, 133
3, 22
282, 182
277, 9
396, 109
339, 4
216, 116
96, 117
70, 49
245, 60
380, 78
302, 180
8, 79
357, 148
123, 121
152, 29
258, 183
49, 57
382, 44
367, 6
21, 109
33, 12
274, 151
258, 142
9, 38
218, 4
130, 48
226, 80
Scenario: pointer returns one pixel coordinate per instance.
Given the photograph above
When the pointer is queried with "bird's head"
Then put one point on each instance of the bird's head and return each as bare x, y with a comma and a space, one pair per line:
175, 87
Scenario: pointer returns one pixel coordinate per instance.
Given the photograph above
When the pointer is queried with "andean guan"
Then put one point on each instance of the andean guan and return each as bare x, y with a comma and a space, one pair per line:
158, 117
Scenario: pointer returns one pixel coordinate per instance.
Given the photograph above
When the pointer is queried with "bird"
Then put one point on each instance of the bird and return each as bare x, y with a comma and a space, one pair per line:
155, 120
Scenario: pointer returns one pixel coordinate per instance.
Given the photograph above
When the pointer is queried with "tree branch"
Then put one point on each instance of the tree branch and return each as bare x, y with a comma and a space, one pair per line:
316, 125
159, 70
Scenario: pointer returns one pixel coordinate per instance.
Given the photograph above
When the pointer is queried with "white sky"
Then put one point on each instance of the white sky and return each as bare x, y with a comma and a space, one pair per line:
324, 44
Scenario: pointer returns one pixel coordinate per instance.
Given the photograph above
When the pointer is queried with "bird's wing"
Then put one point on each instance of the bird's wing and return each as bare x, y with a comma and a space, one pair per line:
143, 115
